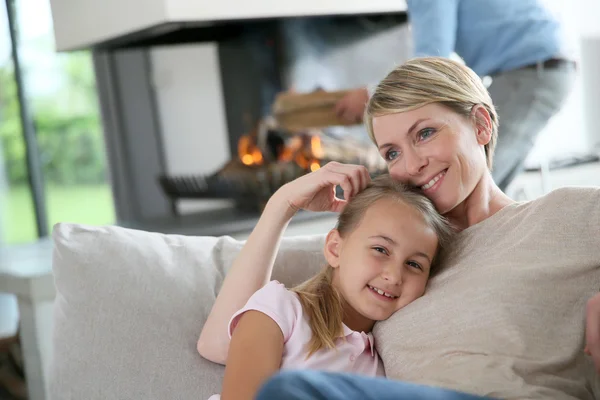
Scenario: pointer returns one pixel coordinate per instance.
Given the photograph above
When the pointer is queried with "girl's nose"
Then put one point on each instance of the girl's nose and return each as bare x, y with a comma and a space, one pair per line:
392, 274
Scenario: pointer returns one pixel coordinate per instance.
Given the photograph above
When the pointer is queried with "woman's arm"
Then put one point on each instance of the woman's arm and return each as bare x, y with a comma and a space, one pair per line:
252, 268
250, 271
255, 355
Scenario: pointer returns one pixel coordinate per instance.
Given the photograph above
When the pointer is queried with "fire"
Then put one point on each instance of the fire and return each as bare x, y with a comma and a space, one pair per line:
291, 149
257, 156
247, 159
302, 161
315, 147
248, 152
304, 150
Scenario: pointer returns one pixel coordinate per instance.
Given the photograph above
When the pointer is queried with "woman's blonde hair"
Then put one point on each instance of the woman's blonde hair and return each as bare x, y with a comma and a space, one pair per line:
320, 300
427, 80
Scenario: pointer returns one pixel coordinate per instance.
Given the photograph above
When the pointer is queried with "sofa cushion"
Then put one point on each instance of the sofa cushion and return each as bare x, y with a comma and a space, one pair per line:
130, 306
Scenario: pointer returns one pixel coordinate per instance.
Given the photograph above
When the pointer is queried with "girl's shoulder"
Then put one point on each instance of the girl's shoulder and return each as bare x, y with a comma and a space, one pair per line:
276, 290
278, 303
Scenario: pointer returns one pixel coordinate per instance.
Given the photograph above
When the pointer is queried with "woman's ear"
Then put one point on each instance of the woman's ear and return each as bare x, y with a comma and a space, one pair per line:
331, 251
483, 124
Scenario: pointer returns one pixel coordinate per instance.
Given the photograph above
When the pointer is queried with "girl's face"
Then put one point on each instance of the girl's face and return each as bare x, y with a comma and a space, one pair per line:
435, 149
383, 264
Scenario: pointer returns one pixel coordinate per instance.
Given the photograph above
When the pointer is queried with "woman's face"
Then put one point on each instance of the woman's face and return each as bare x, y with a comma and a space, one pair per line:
435, 149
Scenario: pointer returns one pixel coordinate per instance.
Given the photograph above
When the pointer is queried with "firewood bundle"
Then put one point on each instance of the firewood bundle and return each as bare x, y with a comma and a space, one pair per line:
298, 111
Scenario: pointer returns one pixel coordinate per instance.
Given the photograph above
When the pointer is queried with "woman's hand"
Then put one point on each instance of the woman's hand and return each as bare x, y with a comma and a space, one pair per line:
316, 191
592, 330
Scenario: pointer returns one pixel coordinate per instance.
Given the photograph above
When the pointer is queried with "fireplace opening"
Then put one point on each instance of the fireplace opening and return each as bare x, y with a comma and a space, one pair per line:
293, 141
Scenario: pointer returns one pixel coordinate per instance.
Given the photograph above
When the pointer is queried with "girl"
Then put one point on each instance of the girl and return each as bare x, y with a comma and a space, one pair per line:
379, 259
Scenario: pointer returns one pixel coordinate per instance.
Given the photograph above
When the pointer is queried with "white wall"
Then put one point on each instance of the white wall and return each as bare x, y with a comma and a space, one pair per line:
590, 78
187, 84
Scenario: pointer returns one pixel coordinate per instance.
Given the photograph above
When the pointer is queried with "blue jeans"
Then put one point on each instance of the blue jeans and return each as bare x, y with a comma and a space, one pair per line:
316, 385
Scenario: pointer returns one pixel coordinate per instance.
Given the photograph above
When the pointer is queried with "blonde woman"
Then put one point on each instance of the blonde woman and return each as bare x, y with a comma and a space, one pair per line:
514, 310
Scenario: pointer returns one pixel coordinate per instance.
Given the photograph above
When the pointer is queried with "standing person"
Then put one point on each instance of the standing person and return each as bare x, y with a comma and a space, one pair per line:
518, 43
514, 310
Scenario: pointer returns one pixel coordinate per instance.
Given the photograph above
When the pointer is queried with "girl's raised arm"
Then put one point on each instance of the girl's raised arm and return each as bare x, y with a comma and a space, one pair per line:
252, 268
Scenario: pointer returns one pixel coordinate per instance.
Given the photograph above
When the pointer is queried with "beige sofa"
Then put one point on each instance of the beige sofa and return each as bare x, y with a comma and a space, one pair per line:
130, 306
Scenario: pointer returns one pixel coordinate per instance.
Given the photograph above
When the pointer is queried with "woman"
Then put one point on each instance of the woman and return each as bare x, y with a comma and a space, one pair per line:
515, 301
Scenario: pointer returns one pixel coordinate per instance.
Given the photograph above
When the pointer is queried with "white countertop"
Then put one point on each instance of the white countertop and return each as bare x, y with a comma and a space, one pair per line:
82, 23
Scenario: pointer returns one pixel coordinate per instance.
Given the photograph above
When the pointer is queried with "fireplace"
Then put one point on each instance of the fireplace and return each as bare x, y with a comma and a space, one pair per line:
190, 118
292, 141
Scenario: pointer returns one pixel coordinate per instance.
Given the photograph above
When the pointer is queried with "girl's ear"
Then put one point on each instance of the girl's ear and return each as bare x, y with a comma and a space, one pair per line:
333, 244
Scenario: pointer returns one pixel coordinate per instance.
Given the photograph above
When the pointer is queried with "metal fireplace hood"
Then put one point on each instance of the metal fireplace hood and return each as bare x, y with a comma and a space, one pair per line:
84, 24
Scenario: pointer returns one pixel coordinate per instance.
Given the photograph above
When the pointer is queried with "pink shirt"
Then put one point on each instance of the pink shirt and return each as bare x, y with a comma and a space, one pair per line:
355, 353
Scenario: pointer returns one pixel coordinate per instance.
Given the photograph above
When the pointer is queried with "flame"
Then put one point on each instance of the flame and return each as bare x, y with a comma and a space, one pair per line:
304, 150
247, 159
286, 155
248, 152
257, 156
315, 146
291, 149
302, 161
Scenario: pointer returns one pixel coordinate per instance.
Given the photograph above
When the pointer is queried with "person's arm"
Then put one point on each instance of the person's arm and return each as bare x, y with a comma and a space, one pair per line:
253, 266
254, 356
434, 25
250, 271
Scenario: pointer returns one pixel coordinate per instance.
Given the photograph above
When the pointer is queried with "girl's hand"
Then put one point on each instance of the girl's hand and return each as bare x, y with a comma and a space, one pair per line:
316, 190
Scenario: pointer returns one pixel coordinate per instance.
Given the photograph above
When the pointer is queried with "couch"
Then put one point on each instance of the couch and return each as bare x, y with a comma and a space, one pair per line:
130, 306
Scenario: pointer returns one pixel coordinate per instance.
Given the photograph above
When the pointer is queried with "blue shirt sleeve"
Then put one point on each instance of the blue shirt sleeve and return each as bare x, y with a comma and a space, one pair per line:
434, 25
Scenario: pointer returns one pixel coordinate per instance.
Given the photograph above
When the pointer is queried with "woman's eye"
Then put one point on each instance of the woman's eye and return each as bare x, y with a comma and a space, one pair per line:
426, 133
380, 250
414, 265
391, 155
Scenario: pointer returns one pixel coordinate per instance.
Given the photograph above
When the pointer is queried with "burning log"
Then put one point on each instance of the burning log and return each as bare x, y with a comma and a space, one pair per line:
309, 150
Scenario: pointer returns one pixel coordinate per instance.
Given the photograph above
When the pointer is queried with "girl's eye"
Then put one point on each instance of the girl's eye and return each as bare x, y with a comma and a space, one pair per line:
414, 265
426, 133
391, 155
380, 250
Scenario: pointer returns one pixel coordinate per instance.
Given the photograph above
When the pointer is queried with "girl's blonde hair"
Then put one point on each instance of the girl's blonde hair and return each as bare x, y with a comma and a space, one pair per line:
320, 300
427, 80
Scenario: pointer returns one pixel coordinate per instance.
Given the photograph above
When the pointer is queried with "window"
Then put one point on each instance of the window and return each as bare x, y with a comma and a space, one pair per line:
61, 96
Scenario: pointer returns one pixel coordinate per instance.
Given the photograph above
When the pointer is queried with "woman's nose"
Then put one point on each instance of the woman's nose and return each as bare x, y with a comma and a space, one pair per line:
415, 163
